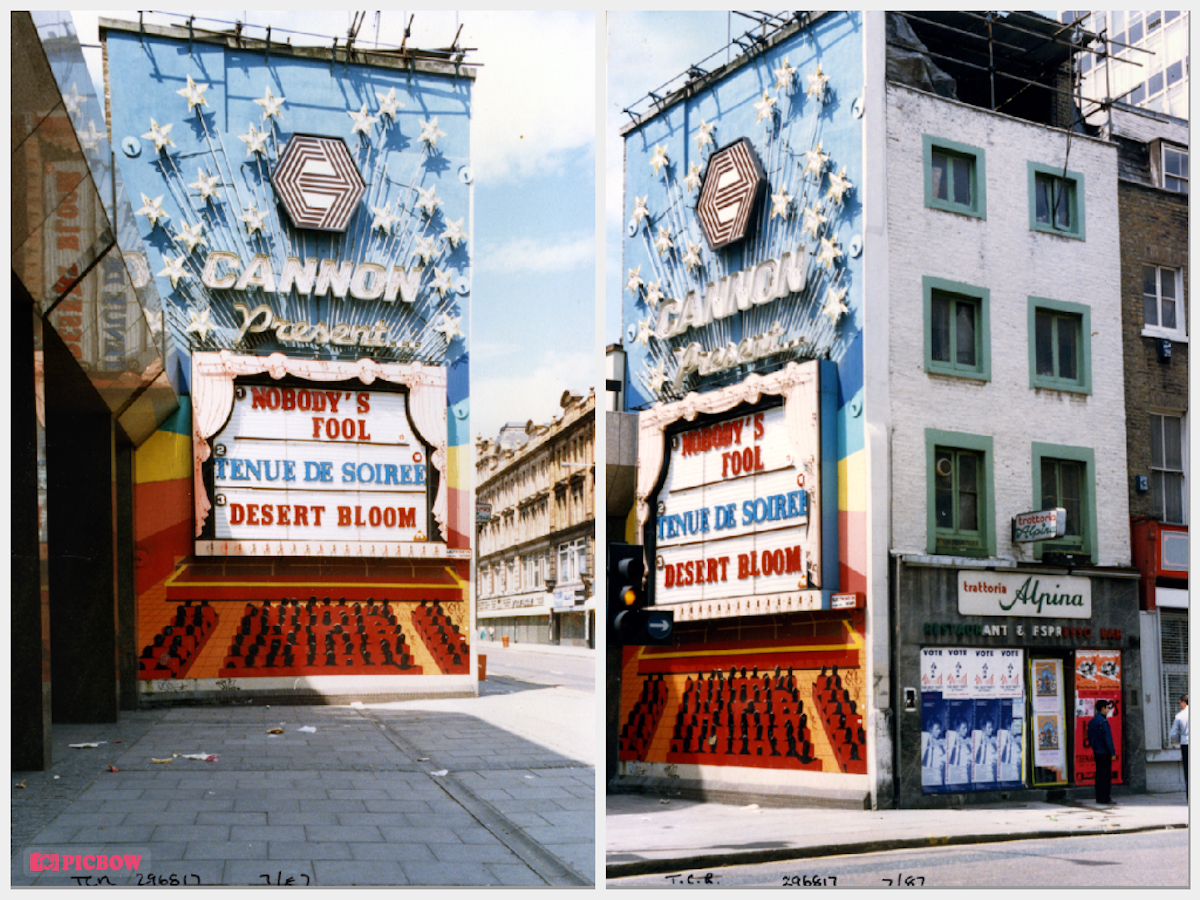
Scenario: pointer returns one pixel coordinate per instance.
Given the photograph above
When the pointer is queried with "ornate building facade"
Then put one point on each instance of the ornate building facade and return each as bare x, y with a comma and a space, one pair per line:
536, 561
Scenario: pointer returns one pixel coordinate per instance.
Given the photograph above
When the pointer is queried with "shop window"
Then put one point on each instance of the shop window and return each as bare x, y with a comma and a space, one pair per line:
957, 338
960, 499
1060, 346
1056, 201
1167, 454
1162, 291
955, 178
1175, 169
1065, 477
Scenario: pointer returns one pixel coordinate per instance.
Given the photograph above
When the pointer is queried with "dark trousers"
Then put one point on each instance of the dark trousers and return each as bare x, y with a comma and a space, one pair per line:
1104, 777
1183, 756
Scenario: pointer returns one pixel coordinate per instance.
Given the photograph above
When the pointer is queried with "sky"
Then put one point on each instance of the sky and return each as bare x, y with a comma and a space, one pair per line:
534, 310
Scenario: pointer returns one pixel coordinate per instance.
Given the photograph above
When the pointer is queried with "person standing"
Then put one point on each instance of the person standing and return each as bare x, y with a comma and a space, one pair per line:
1099, 735
1179, 735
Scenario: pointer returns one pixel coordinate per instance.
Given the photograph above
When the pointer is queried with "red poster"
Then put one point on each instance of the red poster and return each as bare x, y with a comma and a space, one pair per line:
1097, 676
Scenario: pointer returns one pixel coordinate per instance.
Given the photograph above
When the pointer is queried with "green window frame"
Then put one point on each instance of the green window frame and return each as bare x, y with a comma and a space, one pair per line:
955, 176
1060, 345
960, 494
957, 329
1066, 476
1056, 201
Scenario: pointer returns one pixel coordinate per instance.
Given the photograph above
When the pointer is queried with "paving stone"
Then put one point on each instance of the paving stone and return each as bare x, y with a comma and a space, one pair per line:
359, 871
439, 874
514, 875
235, 849
304, 850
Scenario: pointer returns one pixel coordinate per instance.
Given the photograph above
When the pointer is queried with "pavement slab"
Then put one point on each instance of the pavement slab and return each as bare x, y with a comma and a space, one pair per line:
354, 803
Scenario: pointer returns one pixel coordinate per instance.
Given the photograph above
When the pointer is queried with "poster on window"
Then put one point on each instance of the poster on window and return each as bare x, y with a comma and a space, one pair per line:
1097, 677
1049, 721
972, 719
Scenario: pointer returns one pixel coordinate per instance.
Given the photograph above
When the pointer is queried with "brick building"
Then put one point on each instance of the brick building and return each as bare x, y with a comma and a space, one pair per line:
1153, 210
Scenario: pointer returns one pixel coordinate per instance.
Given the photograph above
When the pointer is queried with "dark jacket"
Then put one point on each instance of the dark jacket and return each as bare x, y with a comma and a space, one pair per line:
1100, 735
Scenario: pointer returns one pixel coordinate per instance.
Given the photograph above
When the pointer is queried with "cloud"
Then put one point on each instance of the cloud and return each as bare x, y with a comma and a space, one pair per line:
533, 255
529, 391
534, 98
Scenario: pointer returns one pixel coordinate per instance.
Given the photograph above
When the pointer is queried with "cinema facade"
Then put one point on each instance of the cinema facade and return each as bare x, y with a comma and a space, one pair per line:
900, 573
295, 516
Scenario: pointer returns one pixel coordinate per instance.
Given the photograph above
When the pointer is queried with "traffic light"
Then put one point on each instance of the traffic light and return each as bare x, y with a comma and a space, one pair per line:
630, 622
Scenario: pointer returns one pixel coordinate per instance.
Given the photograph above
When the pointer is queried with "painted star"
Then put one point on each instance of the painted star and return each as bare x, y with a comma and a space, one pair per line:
454, 232
829, 253
254, 219
430, 132
834, 307
206, 185
160, 134
194, 94
663, 243
425, 249
429, 200
654, 293
388, 104
765, 107
692, 179
815, 161
657, 378
443, 282
256, 141
691, 259
817, 84
199, 324
644, 333
448, 327
639, 209
813, 220
362, 120
152, 210
635, 279
705, 135
271, 105
659, 159
779, 203
384, 218
783, 76
838, 186
90, 139
74, 99
174, 269
190, 235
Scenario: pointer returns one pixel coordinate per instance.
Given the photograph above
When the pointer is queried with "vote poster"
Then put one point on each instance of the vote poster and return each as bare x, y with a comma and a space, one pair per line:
972, 719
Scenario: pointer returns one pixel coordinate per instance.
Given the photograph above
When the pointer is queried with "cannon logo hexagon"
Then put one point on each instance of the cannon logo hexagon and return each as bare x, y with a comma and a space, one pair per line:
318, 182
733, 183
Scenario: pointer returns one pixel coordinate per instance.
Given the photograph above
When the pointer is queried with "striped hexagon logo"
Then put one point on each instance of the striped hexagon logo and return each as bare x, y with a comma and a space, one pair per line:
318, 182
733, 182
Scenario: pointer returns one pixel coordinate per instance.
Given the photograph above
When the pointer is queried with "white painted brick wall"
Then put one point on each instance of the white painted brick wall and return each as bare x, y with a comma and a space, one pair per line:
1002, 254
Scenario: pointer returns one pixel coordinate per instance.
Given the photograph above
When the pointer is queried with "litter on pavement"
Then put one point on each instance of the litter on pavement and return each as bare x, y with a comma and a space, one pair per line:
86, 746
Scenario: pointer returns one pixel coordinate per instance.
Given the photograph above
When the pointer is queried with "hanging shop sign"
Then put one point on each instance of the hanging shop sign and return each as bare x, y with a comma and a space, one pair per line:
1021, 594
1044, 525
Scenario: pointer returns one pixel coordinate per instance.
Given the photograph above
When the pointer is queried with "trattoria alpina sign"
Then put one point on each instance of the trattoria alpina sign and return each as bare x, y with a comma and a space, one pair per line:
1024, 594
